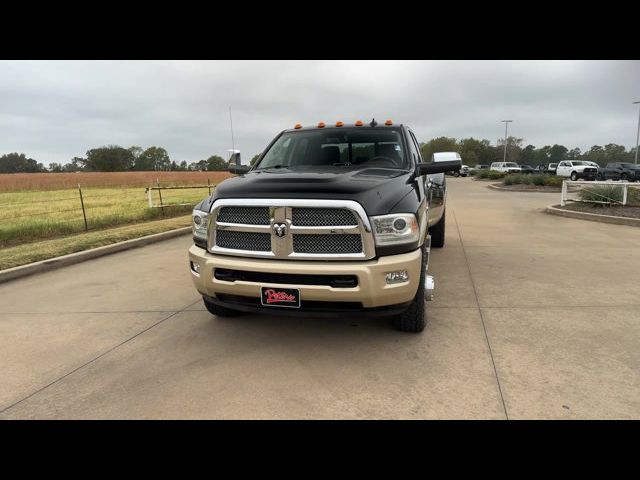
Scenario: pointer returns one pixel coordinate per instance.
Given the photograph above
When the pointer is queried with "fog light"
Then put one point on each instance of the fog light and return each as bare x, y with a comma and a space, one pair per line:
397, 277
195, 267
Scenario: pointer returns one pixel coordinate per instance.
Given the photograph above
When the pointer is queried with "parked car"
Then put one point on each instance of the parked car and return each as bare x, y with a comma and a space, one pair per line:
527, 169
551, 168
506, 167
311, 229
576, 169
620, 171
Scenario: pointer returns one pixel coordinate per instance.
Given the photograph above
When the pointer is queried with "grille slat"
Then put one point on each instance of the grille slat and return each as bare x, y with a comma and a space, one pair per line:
252, 241
246, 215
327, 243
322, 217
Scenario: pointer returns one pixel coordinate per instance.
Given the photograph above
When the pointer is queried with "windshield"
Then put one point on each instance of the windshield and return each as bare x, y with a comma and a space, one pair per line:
576, 164
355, 147
510, 164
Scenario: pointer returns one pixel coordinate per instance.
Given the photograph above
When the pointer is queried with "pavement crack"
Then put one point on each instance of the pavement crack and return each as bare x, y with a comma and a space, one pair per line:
106, 352
484, 327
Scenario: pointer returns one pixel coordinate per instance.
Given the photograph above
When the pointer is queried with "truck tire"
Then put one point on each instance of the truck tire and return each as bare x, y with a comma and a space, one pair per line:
414, 318
219, 311
437, 232
574, 176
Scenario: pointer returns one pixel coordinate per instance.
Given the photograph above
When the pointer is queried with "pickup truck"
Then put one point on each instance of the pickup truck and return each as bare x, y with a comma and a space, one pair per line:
620, 171
576, 169
331, 219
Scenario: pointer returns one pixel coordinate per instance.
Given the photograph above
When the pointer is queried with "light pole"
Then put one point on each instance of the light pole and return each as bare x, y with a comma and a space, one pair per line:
506, 126
637, 134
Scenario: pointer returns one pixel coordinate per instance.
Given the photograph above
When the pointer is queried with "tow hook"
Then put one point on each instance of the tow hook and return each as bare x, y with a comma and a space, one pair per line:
429, 287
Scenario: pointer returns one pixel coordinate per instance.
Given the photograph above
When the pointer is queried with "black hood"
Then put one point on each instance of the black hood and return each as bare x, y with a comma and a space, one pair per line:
376, 189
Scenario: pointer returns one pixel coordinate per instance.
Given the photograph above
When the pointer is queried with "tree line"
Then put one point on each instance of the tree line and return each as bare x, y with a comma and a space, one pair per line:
474, 151
113, 158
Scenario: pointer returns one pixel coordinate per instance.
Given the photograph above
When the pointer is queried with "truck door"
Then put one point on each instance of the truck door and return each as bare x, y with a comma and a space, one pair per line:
563, 169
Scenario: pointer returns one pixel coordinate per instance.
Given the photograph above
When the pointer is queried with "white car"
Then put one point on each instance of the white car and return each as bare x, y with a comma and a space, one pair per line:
576, 169
505, 167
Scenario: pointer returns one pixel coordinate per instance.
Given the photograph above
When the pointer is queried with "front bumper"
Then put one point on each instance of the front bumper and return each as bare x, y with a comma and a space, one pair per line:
371, 292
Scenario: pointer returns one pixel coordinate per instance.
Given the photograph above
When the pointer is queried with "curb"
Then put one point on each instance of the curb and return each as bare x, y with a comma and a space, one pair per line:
73, 258
593, 217
494, 186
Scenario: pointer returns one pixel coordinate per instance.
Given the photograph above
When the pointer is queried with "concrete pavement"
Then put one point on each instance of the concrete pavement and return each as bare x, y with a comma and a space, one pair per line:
535, 316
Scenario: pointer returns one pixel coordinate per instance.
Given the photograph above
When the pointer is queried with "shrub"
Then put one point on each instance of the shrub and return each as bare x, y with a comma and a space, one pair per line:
552, 181
493, 175
508, 180
484, 173
473, 173
539, 179
601, 193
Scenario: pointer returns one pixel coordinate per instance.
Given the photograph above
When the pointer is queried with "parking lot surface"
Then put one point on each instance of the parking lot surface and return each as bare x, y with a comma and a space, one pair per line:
535, 316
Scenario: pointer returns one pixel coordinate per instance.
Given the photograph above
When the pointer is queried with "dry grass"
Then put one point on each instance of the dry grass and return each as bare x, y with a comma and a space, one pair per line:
16, 182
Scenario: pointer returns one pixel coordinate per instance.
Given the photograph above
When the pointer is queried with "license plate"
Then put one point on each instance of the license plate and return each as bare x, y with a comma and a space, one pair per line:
280, 297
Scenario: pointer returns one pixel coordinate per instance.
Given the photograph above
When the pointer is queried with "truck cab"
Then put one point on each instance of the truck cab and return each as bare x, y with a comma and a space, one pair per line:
331, 219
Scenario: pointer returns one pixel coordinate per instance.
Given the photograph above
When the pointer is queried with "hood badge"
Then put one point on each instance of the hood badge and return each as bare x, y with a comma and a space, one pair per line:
280, 229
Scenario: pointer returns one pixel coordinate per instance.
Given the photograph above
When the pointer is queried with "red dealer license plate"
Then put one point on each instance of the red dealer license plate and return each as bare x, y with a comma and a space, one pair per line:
280, 297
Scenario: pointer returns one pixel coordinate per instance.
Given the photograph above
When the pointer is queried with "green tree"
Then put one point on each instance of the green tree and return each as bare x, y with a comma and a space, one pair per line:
112, 158
153, 158
557, 153
215, 162
56, 167
527, 155
19, 163
440, 144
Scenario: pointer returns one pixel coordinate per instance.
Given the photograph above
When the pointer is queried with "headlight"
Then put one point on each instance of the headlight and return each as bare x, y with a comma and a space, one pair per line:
200, 224
395, 229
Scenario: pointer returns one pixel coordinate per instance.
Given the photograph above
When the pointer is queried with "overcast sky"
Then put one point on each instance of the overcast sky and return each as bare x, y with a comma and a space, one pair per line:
55, 110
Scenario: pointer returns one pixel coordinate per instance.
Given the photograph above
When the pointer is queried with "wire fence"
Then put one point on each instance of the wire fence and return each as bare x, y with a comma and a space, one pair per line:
607, 193
29, 216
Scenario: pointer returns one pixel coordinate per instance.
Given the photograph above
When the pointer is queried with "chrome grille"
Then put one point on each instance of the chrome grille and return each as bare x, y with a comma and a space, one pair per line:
246, 215
322, 243
322, 217
300, 229
252, 241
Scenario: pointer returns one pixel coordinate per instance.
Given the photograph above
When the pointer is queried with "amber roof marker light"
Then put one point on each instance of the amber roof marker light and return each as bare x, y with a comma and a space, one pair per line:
359, 123
388, 122
297, 126
339, 124
321, 124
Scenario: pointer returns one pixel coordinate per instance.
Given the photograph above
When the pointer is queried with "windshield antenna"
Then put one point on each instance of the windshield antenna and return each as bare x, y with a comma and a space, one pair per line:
373, 123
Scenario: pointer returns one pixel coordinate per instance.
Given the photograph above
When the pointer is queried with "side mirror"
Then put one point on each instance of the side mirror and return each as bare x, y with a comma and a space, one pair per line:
438, 167
235, 165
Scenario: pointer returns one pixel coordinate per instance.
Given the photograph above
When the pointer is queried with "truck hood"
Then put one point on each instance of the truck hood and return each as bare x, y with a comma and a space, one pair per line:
376, 189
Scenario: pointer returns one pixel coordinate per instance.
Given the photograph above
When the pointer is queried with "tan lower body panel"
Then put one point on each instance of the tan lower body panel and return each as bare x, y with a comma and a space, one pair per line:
372, 290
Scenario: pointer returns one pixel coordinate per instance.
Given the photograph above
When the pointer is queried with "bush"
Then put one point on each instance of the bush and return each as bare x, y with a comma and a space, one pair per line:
473, 173
484, 173
552, 181
539, 179
493, 175
601, 193
508, 180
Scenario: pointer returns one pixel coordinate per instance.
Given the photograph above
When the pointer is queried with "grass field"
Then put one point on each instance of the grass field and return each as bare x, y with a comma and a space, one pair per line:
36, 207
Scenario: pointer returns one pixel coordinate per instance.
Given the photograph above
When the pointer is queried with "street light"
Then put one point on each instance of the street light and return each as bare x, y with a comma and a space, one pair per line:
506, 126
638, 134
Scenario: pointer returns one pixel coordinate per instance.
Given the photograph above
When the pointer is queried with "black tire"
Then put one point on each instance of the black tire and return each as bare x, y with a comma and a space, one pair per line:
437, 232
599, 177
623, 177
574, 176
219, 311
456, 174
414, 318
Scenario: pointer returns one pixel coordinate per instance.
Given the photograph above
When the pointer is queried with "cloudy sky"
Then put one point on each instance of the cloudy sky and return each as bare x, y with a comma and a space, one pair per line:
55, 110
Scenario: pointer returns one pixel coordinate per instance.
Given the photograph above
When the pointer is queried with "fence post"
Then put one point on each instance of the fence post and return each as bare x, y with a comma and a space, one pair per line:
84, 214
149, 197
563, 195
624, 193
160, 194
209, 184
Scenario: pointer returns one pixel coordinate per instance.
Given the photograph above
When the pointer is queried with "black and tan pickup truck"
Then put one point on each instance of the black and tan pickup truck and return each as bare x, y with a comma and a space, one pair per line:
331, 219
